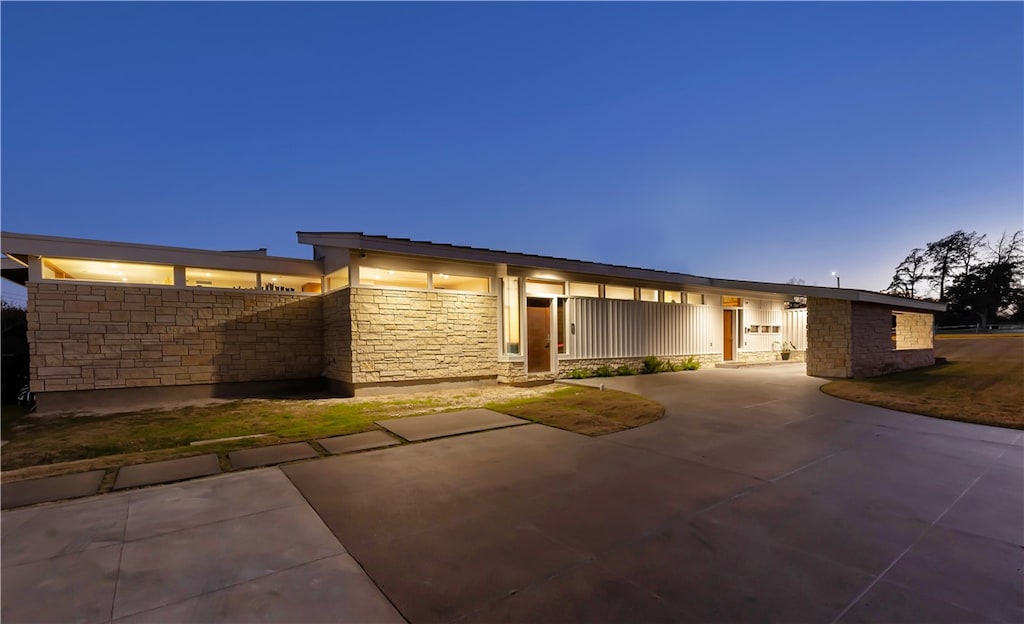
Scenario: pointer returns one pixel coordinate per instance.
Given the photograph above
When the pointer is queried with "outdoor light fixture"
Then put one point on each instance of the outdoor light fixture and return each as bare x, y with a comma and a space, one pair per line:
836, 275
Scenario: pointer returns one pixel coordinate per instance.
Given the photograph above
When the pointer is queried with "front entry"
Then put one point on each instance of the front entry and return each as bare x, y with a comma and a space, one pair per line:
727, 334
538, 335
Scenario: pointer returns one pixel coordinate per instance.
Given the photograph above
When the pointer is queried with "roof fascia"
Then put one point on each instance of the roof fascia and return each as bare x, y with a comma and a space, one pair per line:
57, 246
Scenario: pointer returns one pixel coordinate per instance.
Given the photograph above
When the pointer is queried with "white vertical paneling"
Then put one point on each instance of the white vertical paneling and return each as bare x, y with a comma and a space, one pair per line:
794, 327
612, 328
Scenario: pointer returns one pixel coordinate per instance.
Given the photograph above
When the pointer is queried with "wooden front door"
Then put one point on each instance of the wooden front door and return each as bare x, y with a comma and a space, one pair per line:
727, 316
538, 335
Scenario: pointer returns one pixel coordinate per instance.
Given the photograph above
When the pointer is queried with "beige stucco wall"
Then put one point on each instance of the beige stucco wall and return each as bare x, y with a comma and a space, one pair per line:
88, 337
402, 335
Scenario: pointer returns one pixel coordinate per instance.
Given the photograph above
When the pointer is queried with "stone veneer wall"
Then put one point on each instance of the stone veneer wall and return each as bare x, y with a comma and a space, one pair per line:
829, 338
405, 335
567, 366
768, 356
90, 336
337, 314
854, 339
914, 331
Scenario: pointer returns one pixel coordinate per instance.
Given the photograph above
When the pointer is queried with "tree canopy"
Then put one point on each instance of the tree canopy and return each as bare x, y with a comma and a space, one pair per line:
980, 282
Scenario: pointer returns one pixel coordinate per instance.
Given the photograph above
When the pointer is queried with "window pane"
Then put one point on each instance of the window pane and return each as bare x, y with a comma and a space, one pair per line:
694, 298
510, 314
618, 292
105, 271
582, 289
673, 296
648, 294
338, 279
731, 302
373, 276
217, 278
445, 281
536, 287
290, 283
561, 325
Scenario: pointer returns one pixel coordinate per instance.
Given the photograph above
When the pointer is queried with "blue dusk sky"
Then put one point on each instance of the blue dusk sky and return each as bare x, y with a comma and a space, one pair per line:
756, 141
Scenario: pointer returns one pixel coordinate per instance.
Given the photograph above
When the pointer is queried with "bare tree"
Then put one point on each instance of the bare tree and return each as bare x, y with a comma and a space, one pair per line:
951, 257
909, 273
1008, 249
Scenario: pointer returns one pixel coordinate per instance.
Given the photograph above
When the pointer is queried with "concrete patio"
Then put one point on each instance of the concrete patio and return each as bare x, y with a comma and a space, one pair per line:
756, 498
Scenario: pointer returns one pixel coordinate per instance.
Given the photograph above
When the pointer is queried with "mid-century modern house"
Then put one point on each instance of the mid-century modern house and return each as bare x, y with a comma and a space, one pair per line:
112, 321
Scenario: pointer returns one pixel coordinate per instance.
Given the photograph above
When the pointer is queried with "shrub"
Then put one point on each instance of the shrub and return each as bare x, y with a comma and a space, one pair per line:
652, 364
604, 371
676, 367
625, 370
579, 373
690, 363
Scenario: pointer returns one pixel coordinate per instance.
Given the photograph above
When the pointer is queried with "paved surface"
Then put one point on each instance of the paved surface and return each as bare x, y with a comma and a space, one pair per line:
340, 445
418, 428
49, 489
239, 547
757, 498
267, 455
167, 471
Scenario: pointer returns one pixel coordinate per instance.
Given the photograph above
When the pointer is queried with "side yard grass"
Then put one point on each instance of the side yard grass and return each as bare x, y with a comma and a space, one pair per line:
983, 382
588, 411
50, 445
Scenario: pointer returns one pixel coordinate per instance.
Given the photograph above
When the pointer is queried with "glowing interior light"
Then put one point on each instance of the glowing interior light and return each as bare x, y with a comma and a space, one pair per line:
391, 272
273, 279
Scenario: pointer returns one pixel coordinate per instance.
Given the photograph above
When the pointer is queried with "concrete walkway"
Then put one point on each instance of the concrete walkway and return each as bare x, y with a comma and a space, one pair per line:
756, 498
411, 429
241, 547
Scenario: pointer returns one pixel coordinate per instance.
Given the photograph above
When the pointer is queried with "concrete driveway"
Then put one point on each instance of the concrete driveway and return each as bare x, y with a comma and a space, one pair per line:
757, 498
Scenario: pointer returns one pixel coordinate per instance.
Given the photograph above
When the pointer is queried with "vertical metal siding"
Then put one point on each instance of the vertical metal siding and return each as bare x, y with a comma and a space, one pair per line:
794, 328
610, 328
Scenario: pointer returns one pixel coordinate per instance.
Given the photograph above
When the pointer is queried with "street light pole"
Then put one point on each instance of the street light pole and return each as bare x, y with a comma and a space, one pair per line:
836, 275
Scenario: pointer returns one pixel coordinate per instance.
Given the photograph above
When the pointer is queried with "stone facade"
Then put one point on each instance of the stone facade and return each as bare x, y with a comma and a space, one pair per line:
405, 336
829, 338
855, 339
337, 314
914, 331
567, 366
90, 337
755, 357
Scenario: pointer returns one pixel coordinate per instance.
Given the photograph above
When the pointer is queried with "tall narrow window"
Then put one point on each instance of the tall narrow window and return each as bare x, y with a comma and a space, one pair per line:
561, 325
510, 315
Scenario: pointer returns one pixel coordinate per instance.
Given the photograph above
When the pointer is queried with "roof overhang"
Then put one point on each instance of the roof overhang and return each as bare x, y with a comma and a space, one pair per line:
363, 242
24, 245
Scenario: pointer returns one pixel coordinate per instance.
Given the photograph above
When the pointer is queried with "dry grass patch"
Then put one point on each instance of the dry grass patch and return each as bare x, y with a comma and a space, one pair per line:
983, 382
588, 411
107, 440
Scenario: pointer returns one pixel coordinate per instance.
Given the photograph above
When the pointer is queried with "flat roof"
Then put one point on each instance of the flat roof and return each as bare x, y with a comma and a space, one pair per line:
378, 243
15, 245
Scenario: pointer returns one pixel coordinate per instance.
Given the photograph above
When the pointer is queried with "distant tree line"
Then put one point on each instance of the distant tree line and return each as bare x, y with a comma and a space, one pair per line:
981, 282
